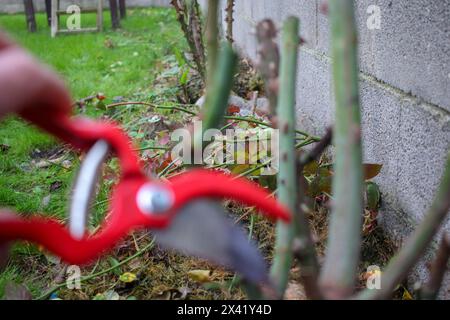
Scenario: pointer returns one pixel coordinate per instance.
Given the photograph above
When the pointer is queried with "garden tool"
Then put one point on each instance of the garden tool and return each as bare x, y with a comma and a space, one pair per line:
179, 212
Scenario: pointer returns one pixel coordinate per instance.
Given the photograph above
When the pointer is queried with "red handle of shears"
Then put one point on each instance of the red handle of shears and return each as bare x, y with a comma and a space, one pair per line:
82, 133
125, 213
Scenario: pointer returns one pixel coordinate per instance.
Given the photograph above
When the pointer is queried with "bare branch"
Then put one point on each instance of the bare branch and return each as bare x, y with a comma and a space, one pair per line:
437, 270
318, 149
229, 20
268, 60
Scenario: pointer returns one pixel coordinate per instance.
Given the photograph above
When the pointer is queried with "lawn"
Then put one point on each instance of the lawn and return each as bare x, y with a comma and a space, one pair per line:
120, 64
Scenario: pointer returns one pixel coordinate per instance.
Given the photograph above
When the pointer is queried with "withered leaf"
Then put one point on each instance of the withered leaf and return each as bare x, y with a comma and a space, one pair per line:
371, 170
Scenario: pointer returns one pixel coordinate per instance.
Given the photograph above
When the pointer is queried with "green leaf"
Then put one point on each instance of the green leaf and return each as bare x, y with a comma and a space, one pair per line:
373, 196
114, 263
321, 183
240, 168
184, 77
101, 105
179, 57
311, 168
268, 181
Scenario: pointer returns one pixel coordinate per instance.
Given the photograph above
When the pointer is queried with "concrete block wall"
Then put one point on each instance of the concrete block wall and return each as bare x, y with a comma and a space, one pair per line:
15, 6
404, 88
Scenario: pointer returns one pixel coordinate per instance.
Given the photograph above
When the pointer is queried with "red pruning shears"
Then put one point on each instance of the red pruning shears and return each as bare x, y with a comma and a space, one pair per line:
177, 212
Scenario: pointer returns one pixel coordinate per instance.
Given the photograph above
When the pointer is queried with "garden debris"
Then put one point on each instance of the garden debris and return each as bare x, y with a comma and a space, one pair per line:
200, 275
45, 201
55, 185
128, 277
294, 291
246, 107
4, 147
107, 295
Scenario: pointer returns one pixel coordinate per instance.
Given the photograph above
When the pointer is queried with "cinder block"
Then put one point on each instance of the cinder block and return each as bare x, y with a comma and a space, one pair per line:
272, 9
244, 28
314, 98
410, 51
306, 11
380, 119
247, 15
425, 141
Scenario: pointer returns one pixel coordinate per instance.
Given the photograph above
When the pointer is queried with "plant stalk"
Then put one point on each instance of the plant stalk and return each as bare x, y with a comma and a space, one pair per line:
287, 174
438, 268
212, 40
229, 20
344, 243
216, 101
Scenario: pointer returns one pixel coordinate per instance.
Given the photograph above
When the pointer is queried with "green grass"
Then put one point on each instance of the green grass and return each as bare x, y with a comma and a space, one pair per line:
116, 63
89, 66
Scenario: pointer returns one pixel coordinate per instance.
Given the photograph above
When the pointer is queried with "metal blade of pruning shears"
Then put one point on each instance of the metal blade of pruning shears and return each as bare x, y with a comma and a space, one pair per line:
203, 229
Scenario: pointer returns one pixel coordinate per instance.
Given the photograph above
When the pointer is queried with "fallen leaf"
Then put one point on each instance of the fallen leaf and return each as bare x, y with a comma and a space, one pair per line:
232, 109
167, 161
406, 295
100, 96
200, 275
45, 163
107, 295
371, 170
128, 277
319, 185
